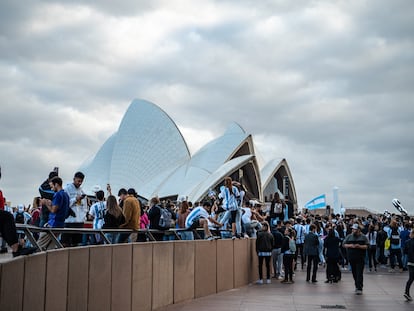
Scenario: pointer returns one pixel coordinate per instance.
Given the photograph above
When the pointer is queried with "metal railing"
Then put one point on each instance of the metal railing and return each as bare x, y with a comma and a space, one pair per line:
54, 233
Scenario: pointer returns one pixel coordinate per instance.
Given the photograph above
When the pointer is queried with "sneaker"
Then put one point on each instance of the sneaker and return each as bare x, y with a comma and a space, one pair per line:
268, 281
3, 250
210, 238
408, 297
358, 292
391, 270
233, 237
259, 282
22, 251
284, 282
314, 281
280, 277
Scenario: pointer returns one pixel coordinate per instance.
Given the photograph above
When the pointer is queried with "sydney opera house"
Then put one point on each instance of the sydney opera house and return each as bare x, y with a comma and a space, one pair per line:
149, 153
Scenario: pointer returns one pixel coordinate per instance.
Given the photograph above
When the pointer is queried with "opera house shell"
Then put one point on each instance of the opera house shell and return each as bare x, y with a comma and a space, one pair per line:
149, 153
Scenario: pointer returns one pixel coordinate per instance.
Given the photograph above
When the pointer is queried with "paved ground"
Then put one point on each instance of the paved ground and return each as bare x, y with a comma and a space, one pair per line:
382, 291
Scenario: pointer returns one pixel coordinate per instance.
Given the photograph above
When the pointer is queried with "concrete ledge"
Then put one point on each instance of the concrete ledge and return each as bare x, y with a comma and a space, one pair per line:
137, 276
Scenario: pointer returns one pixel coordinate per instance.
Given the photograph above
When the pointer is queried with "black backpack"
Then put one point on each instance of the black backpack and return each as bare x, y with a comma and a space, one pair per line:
395, 237
19, 218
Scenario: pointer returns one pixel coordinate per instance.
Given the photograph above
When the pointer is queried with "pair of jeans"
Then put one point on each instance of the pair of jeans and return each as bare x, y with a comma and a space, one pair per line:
112, 237
237, 219
277, 258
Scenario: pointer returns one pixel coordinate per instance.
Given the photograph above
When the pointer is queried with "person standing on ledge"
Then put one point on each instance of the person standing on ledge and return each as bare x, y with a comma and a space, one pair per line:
356, 245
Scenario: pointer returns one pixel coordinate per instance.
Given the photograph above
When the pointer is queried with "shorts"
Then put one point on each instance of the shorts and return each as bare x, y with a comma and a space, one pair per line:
196, 224
233, 215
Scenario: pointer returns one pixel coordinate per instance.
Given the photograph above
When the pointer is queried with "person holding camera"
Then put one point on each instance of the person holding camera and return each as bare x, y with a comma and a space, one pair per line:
78, 208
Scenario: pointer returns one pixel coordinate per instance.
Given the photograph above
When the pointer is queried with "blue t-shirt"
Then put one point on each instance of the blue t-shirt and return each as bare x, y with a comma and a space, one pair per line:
61, 200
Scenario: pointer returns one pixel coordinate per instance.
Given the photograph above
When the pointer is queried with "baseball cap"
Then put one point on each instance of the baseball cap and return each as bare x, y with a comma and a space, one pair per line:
355, 226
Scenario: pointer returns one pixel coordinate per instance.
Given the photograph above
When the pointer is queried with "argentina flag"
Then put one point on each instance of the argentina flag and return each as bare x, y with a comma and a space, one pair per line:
315, 203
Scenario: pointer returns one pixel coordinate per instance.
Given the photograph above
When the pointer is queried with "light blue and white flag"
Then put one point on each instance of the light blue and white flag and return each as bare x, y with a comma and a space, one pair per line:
315, 203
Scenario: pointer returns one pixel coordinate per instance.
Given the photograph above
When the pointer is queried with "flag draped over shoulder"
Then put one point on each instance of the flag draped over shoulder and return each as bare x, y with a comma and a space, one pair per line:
315, 203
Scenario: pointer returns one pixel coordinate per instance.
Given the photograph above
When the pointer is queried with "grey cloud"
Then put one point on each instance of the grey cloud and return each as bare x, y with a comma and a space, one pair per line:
336, 105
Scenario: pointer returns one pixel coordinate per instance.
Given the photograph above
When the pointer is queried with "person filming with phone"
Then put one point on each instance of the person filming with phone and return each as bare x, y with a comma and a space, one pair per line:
78, 208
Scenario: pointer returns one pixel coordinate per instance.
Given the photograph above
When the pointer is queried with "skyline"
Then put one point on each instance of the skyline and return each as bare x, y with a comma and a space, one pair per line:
325, 84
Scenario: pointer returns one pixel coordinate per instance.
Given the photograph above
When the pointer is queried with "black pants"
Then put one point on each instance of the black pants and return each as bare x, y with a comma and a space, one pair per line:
395, 253
72, 239
299, 250
267, 262
312, 260
8, 227
381, 257
372, 250
288, 265
332, 270
357, 266
410, 279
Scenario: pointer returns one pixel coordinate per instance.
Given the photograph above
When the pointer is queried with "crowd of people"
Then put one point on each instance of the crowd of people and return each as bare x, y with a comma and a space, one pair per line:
285, 240
335, 243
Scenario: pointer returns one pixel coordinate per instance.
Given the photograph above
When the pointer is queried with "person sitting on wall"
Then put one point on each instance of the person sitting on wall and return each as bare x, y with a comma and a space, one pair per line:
199, 217
9, 233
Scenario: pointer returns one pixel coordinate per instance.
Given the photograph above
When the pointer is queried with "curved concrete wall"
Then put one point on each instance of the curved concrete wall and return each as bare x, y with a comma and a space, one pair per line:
139, 276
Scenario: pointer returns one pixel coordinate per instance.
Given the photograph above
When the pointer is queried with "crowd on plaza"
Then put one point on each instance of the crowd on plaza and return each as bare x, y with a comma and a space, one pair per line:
336, 243
285, 240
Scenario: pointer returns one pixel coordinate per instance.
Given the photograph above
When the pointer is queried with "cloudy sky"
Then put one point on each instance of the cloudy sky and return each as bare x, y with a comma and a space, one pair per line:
328, 85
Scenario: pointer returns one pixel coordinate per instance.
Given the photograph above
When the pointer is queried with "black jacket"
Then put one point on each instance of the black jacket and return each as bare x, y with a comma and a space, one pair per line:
111, 222
264, 242
277, 239
311, 245
409, 250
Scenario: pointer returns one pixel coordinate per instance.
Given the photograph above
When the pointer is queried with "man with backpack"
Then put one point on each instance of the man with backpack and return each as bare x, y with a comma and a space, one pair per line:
160, 217
395, 245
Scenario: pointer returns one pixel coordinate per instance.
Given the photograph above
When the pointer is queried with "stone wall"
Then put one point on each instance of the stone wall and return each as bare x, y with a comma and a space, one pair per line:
139, 276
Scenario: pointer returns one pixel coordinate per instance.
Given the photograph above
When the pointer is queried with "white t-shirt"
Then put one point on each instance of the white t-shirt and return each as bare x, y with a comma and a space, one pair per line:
247, 216
79, 209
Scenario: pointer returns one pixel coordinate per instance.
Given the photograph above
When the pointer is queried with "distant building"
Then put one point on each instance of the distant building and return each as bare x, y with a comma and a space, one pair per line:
149, 153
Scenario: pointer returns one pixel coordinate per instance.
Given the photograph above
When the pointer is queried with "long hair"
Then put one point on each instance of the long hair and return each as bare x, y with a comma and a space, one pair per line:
228, 184
36, 202
112, 206
183, 207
